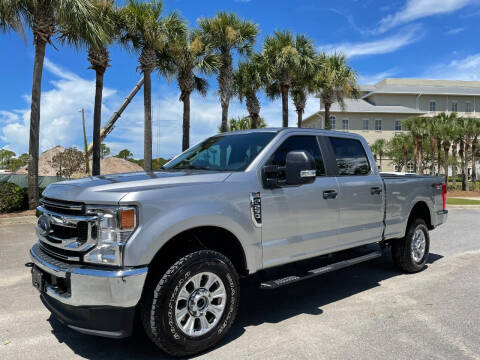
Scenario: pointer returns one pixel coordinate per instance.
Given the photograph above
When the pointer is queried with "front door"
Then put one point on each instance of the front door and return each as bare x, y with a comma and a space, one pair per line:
299, 222
361, 200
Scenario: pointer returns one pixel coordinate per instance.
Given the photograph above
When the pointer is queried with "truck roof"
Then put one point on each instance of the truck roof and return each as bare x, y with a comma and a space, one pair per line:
296, 130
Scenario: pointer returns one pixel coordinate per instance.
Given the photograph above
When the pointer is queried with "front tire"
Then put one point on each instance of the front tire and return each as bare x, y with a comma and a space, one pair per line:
410, 254
191, 307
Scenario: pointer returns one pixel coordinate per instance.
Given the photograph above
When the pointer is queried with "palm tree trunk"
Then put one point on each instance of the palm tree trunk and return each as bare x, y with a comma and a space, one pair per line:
415, 155
454, 165
284, 90
446, 149
33, 146
461, 152
474, 161
254, 118
327, 116
439, 157
147, 103
420, 157
226, 85
97, 121
299, 117
186, 122
432, 160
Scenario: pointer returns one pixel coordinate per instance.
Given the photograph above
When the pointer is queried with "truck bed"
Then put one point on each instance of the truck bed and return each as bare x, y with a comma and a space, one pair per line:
402, 193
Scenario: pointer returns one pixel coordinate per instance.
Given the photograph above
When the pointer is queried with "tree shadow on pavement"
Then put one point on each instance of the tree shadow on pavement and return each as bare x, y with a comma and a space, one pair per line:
256, 307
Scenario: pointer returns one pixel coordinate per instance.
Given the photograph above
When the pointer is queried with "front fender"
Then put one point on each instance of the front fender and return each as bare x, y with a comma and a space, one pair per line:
158, 228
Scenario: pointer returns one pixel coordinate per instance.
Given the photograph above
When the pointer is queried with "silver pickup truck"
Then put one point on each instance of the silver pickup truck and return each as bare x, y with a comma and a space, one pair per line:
167, 248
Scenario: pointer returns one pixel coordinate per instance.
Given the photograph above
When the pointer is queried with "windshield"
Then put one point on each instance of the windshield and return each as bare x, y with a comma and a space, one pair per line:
223, 152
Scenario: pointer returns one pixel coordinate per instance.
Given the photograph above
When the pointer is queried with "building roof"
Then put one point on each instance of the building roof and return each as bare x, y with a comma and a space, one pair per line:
421, 86
363, 106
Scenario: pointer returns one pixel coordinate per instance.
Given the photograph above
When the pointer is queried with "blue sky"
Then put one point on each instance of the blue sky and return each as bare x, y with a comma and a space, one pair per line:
405, 38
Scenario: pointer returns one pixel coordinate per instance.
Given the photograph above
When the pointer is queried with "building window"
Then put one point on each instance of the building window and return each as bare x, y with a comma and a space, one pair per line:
454, 106
345, 124
333, 121
410, 167
378, 125
433, 106
468, 107
398, 125
365, 124
398, 168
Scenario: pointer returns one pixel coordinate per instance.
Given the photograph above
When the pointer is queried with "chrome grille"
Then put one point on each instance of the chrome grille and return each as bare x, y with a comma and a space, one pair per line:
70, 232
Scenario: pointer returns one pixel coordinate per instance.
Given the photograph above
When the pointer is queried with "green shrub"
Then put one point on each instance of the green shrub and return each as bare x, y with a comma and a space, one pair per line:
12, 197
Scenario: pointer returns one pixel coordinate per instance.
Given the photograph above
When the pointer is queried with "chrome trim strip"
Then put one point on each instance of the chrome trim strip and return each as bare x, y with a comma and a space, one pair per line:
308, 173
61, 205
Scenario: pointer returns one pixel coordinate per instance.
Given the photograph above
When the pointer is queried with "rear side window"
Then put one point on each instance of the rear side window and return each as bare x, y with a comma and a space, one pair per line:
297, 143
350, 156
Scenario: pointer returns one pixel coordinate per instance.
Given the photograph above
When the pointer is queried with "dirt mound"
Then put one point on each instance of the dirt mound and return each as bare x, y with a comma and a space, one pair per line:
44, 162
110, 165
113, 165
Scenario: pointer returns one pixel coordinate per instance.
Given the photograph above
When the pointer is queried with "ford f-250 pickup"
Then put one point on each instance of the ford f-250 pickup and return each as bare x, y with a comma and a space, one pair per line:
167, 248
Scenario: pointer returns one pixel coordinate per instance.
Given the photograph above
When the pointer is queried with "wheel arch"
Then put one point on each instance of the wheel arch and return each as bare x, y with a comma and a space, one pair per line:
420, 211
201, 237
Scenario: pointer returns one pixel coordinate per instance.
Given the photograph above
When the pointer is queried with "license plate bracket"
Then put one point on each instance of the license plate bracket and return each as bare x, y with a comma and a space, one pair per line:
38, 280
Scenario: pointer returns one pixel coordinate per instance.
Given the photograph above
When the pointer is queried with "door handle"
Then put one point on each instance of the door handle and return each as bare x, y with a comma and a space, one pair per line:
375, 190
330, 194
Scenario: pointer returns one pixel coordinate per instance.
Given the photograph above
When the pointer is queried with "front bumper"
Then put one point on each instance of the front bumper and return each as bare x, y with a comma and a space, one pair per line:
89, 291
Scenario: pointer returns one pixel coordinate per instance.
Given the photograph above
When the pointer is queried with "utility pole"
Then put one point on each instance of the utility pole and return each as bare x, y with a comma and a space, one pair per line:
87, 162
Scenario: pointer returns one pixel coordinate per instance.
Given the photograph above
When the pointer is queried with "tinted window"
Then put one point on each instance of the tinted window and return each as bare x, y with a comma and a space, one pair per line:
298, 143
223, 152
350, 156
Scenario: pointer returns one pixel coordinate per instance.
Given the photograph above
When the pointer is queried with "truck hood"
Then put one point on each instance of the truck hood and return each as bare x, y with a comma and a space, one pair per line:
112, 188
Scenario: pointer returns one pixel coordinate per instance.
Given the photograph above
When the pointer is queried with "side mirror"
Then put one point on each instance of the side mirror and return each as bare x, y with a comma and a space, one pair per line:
300, 168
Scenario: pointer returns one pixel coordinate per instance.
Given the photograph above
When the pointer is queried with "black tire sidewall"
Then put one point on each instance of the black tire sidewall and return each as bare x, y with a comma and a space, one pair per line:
416, 225
163, 311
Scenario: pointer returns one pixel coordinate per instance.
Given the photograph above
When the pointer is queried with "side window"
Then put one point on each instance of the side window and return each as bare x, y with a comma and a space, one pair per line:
350, 156
297, 143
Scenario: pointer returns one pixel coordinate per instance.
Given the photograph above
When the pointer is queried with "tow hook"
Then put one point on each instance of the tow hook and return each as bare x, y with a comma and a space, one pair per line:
29, 264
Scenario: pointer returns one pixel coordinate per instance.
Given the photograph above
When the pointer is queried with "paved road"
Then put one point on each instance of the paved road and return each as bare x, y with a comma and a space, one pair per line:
368, 311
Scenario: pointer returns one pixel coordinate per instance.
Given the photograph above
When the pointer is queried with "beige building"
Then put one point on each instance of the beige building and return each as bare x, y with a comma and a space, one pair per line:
379, 111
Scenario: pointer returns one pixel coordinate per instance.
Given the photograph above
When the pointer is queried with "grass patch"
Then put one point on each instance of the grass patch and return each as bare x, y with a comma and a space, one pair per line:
455, 201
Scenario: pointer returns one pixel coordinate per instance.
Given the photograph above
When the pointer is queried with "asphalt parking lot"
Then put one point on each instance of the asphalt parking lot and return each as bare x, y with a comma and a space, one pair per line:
369, 311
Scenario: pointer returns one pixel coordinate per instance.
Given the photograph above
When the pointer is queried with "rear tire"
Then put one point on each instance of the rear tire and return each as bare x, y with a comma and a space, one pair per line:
200, 277
410, 254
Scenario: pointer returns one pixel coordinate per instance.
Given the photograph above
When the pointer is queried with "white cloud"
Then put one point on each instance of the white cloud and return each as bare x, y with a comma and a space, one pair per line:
455, 31
386, 45
467, 68
417, 9
60, 118
370, 79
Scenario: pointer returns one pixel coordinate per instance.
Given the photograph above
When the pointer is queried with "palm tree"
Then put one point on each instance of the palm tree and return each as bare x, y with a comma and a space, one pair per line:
225, 33
379, 148
457, 134
286, 56
47, 18
10, 17
399, 148
475, 135
303, 85
249, 78
462, 144
417, 127
336, 81
446, 135
244, 123
147, 32
186, 56
433, 128
99, 58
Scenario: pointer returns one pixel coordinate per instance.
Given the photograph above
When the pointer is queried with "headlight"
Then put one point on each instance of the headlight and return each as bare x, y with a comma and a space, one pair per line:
113, 228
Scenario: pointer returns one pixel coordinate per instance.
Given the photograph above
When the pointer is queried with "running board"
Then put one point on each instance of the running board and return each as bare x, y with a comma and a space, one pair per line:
273, 284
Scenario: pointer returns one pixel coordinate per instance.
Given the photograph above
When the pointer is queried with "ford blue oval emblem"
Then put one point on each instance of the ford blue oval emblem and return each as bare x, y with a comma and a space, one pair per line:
43, 225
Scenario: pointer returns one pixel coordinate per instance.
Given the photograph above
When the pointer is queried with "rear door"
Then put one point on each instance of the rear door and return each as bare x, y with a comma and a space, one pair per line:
299, 221
361, 197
